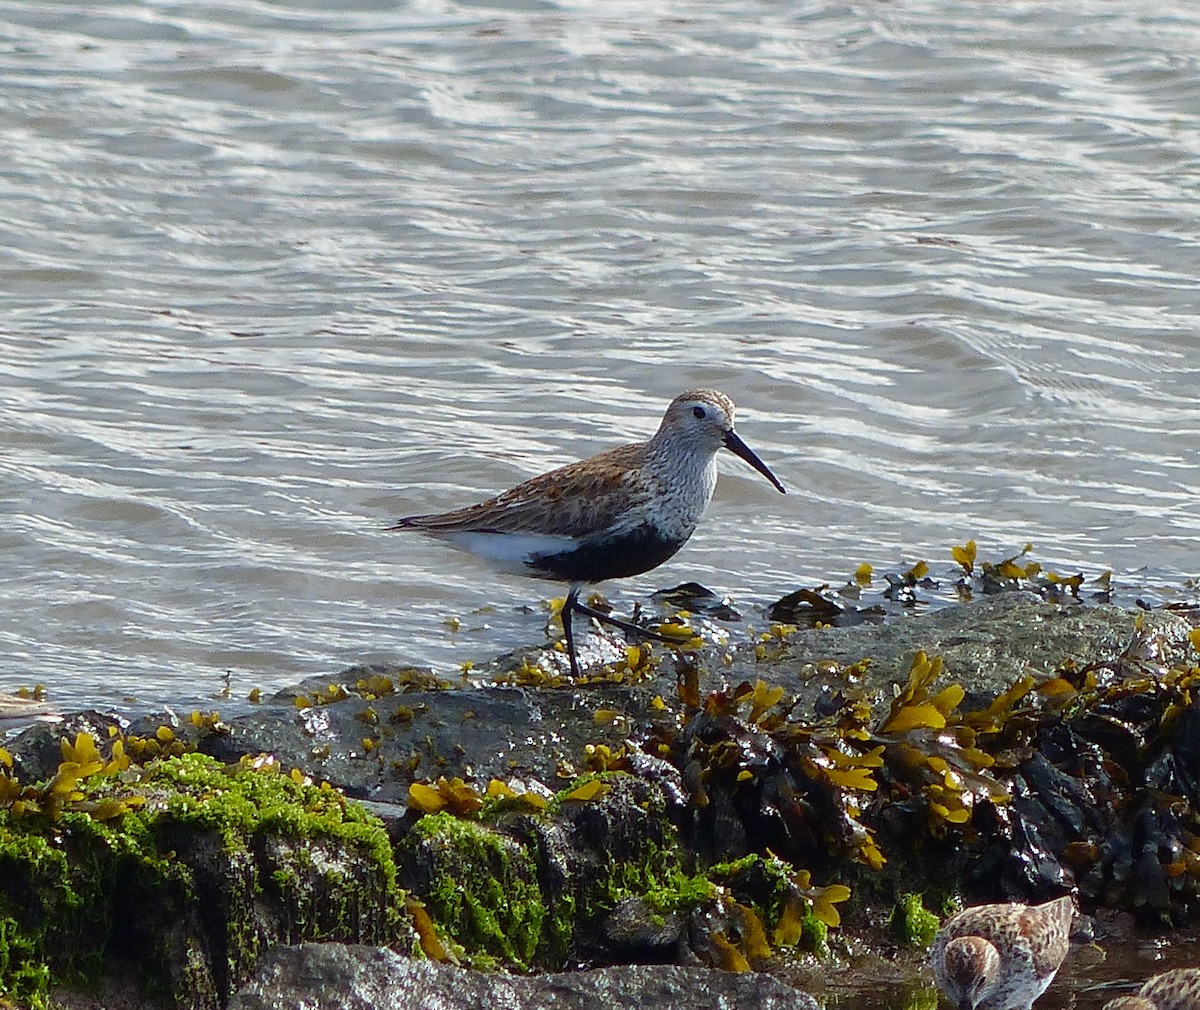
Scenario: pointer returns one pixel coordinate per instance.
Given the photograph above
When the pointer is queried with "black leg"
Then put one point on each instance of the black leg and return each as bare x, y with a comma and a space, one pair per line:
569, 604
627, 626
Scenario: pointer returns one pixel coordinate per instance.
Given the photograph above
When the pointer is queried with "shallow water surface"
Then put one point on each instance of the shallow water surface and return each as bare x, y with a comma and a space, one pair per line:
1091, 975
272, 276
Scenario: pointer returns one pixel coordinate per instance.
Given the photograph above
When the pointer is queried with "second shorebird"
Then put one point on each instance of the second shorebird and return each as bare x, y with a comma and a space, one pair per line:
1177, 989
1001, 957
617, 514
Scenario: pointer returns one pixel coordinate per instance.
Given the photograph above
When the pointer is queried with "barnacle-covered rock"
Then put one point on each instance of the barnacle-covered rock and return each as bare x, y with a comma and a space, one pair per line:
986, 646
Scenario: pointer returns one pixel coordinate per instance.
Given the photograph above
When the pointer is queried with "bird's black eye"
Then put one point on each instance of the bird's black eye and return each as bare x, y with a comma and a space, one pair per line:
699, 413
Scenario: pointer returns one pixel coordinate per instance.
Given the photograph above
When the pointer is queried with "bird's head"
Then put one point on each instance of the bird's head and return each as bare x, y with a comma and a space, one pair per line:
702, 420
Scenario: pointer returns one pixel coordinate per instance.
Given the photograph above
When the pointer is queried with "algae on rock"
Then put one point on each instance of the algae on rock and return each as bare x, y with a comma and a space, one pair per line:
600, 876
182, 872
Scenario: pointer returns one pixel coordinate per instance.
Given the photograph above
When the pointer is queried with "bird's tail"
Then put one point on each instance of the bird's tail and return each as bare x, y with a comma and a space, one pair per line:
407, 523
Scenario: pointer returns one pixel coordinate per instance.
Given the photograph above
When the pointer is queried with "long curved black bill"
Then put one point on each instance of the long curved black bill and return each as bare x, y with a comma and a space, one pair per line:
739, 448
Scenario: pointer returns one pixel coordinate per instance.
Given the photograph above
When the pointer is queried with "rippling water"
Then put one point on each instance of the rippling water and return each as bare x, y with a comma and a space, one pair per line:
272, 275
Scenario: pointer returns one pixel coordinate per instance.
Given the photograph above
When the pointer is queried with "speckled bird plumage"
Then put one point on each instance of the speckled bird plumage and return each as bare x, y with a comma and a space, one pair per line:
613, 515
1001, 957
1178, 989
661, 486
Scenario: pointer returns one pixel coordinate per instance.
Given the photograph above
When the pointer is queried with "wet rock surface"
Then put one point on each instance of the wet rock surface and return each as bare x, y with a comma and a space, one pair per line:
486, 731
470, 732
337, 977
985, 645
710, 808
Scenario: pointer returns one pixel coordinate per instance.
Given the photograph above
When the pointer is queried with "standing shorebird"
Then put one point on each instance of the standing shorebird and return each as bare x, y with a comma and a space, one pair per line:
1178, 989
1001, 957
617, 514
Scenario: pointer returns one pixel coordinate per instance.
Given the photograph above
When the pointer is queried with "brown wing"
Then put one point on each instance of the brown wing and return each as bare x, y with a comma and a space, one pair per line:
573, 500
1045, 930
1048, 928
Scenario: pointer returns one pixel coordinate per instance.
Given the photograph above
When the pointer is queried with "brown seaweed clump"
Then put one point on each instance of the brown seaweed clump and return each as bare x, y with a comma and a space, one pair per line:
1087, 779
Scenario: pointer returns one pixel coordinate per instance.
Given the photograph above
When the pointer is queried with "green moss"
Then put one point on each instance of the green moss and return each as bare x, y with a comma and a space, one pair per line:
814, 935
199, 869
491, 902
42, 905
494, 890
763, 883
912, 922
656, 875
24, 976
767, 885
678, 891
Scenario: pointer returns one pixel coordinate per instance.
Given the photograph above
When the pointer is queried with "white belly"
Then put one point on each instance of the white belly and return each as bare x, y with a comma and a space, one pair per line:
509, 552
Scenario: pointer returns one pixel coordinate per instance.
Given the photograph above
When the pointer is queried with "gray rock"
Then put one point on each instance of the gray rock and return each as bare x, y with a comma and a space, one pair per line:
474, 733
344, 977
985, 644
479, 732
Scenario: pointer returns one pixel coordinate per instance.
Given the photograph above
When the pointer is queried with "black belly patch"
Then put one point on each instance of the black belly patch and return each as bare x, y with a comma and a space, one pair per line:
607, 558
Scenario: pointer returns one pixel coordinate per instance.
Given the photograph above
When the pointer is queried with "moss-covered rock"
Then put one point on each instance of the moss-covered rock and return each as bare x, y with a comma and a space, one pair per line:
599, 876
524, 887
912, 923
183, 872
707, 799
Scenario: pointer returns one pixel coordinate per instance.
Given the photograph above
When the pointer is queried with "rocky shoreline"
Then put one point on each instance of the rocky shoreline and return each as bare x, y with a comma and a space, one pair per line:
524, 839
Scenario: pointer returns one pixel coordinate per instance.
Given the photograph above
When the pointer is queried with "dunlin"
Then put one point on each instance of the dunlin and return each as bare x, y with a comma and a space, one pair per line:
613, 515
1178, 989
1001, 957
